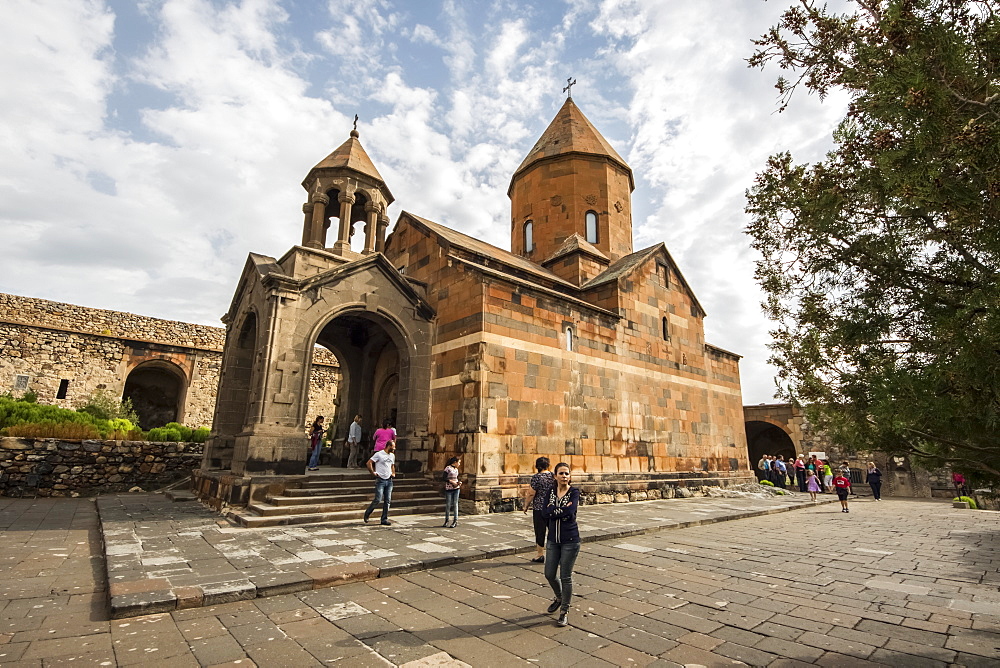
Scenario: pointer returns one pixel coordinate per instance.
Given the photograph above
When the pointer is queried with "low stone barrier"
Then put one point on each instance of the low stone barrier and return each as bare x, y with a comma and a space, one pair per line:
54, 467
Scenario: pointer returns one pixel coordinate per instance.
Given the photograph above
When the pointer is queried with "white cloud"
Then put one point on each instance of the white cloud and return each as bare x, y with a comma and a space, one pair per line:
152, 206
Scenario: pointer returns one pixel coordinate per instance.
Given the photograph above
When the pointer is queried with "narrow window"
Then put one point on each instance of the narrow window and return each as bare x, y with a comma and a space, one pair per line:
591, 227
529, 242
666, 332
63, 386
569, 339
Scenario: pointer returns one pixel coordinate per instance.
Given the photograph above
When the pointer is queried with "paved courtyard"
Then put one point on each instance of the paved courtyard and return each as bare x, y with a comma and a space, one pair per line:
900, 583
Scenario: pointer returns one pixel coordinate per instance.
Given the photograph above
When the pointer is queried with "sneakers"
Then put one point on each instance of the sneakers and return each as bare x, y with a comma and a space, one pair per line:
385, 523
366, 519
563, 619
453, 524
554, 606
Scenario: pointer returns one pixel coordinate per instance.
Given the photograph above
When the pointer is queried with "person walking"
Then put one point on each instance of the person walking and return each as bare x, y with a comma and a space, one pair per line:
827, 476
812, 485
800, 472
874, 480
316, 442
563, 544
354, 443
383, 466
842, 483
384, 435
958, 480
452, 486
535, 498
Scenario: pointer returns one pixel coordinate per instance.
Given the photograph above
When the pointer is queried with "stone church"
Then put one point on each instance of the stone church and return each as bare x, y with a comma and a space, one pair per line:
572, 345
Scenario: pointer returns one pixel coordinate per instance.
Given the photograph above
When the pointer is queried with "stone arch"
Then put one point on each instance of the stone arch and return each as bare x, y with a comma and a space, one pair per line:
373, 350
157, 389
767, 438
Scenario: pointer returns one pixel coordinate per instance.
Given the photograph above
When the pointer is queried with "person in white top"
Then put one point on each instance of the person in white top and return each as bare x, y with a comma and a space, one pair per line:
354, 442
383, 466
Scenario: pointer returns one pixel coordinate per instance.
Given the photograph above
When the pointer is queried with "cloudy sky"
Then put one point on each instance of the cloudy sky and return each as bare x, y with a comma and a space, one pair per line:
150, 145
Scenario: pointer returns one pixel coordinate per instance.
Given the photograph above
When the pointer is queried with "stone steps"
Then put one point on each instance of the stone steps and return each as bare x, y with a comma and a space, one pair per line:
338, 497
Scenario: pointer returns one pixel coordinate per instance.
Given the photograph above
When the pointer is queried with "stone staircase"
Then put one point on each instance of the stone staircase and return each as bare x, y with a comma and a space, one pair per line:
339, 497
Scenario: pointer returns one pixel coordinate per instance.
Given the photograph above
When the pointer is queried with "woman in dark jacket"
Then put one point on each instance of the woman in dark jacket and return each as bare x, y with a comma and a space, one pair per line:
874, 480
536, 498
563, 544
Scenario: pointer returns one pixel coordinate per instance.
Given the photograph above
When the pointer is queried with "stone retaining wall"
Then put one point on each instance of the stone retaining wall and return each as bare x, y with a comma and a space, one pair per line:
51, 467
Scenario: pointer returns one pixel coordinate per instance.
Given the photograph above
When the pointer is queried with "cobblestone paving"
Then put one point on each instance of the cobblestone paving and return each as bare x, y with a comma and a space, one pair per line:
900, 583
163, 556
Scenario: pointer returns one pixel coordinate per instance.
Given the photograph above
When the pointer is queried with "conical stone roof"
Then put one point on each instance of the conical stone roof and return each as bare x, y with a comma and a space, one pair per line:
350, 155
570, 132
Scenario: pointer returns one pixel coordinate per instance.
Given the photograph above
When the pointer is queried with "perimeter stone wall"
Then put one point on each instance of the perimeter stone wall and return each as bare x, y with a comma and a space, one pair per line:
50, 467
96, 349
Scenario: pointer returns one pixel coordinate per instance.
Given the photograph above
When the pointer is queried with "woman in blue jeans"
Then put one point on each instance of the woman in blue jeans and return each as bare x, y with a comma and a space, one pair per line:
452, 486
563, 544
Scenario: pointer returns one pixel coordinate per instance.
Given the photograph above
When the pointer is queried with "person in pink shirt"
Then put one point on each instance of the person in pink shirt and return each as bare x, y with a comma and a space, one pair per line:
384, 435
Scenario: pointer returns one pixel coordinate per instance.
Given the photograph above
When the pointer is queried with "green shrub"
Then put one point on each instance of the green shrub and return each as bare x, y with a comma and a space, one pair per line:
105, 406
969, 500
185, 432
779, 491
200, 435
159, 434
15, 412
767, 483
29, 397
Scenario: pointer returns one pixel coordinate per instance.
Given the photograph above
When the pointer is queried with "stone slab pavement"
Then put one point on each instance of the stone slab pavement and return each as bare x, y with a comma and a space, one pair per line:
896, 583
163, 556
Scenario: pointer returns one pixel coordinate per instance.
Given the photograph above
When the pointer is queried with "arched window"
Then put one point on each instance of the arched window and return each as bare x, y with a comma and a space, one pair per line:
569, 338
529, 242
666, 332
591, 227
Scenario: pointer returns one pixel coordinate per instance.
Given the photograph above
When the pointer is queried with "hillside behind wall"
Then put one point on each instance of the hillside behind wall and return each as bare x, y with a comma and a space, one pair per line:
96, 349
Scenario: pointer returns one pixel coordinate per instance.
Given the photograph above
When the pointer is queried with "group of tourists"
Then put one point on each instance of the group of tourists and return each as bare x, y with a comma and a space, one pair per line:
815, 476
811, 474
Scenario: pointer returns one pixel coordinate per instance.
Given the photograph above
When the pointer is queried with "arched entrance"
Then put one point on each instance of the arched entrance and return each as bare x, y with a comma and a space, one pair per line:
374, 366
764, 438
156, 390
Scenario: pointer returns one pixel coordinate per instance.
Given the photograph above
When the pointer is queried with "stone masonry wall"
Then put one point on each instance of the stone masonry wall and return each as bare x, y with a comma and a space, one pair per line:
95, 349
49, 467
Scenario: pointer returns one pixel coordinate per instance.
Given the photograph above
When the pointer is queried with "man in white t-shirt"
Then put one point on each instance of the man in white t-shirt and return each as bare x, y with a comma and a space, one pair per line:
354, 442
383, 466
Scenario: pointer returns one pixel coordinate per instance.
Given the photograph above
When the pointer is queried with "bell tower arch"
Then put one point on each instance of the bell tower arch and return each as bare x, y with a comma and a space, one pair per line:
346, 186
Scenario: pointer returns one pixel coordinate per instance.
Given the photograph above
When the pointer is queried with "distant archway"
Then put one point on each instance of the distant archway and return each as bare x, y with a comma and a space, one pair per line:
764, 438
156, 390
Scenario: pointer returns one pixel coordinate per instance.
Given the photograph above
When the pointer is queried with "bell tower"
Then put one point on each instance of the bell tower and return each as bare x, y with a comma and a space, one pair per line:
572, 198
345, 185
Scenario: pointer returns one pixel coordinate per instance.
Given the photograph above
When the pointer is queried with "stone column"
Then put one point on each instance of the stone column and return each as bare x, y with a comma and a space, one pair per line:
371, 221
316, 235
307, 209
344, 236
383, 224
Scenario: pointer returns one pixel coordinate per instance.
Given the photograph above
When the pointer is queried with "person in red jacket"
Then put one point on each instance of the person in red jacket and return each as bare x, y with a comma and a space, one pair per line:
843, 486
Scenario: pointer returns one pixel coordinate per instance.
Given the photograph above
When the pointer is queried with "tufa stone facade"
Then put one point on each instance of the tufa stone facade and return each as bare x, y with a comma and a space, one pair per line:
572, 346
